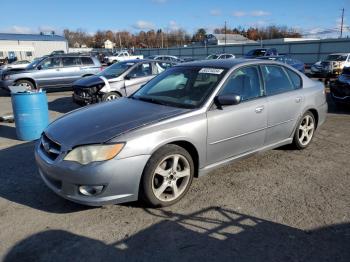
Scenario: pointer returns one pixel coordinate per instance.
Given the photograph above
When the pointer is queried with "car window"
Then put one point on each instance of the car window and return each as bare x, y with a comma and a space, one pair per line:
183, 87
295, 78
141, 70
87, 61
162, 66
276, 80
51, 63
71, 61
244, 82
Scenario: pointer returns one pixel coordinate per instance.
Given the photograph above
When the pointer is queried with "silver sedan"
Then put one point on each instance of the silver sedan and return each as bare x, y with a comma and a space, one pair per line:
183, 123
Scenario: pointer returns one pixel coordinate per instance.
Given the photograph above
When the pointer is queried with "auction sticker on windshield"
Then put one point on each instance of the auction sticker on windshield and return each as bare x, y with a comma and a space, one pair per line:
214, 71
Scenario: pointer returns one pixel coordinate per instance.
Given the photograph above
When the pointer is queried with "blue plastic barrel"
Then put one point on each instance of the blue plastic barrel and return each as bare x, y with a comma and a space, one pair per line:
31, 114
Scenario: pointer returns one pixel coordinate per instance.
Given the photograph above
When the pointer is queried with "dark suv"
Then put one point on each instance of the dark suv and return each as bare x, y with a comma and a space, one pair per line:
51, 71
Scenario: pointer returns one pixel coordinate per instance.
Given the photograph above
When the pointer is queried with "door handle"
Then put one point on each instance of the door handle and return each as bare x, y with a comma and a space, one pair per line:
298, 99
259, 109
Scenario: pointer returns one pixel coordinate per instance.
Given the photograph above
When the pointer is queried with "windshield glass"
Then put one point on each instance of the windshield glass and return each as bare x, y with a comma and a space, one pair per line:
184, 87
336, 58
116, 70
35, 62
212, 57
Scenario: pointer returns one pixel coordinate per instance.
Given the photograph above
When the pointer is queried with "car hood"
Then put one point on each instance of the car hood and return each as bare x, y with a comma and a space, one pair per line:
88, 81
101, 122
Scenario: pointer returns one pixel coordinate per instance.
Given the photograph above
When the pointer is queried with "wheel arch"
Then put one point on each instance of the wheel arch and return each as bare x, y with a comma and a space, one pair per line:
27, 79
188, 146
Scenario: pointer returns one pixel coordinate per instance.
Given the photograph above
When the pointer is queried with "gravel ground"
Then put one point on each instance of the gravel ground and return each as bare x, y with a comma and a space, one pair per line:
281, 205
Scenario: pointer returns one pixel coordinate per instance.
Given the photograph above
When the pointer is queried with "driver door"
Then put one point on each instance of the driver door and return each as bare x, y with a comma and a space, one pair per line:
138, 76
237, 129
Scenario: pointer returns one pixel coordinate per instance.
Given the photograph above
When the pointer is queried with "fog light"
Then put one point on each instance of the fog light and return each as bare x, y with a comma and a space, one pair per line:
90, 190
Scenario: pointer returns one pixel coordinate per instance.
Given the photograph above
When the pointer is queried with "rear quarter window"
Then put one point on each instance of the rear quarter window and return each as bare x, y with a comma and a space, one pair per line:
295, 78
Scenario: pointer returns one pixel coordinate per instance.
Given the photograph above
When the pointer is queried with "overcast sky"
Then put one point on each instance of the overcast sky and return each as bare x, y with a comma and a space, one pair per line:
309, 16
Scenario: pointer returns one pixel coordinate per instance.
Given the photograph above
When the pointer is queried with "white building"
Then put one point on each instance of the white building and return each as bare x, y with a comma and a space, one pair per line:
29, 46
108, 44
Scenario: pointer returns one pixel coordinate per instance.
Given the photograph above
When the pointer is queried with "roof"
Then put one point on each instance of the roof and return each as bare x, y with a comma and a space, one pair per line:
220, 63
31, 37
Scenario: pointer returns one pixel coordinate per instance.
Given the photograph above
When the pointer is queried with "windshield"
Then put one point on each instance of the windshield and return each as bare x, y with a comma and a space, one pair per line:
184, 87
212, 57
35, 62
336, 58
116, 70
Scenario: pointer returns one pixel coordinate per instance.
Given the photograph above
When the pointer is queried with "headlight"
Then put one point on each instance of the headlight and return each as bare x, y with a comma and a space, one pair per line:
93, 153
6, 77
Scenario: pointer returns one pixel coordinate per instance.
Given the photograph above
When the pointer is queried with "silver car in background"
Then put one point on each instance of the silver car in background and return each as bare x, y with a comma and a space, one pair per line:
190, 119
52, 71
118, 80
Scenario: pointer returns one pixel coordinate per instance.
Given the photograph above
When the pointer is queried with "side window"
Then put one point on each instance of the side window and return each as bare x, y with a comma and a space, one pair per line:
51, 63
71, 61
87, 61
276, 80
162, 66
141, 70
295, 78
244, 82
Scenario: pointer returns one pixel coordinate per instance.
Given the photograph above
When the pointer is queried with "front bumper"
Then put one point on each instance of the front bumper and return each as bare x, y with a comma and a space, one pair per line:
120, 178
4, 84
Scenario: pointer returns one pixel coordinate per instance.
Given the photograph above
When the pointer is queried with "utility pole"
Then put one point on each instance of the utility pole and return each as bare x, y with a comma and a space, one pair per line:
342, 23
161, 32
120, 41
225, 33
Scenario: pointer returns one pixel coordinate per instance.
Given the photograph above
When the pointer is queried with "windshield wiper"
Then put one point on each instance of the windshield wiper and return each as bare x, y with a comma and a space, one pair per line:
151, 100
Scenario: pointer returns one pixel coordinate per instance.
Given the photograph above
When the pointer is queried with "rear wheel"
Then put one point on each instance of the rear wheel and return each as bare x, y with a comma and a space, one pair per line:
25, 83
167, 176
305, 131
110, 96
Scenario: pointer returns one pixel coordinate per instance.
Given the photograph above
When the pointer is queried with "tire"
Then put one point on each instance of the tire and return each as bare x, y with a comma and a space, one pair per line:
110, 96
157, 187
304, 131
28, 84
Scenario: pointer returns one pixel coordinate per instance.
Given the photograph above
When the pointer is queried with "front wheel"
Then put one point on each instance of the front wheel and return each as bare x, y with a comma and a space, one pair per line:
110, 96
305, 131
167, 176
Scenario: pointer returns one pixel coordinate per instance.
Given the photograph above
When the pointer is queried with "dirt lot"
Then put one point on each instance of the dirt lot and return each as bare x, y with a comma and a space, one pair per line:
282, 205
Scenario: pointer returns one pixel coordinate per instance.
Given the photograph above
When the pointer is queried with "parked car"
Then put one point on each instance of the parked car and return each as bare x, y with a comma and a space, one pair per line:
16, 64
190, 119
169, 58
51, 71
332, 65
117, 80
297, 64
220, 56
340, 88
121, 56
259, 52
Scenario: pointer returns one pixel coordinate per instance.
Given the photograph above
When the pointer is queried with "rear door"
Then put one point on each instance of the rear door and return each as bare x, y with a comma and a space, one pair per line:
71, 70
138, 76
284, 101
237, 129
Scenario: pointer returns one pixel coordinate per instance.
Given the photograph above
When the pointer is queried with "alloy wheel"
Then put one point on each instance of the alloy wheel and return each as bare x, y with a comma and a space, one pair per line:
306, 130
171, 177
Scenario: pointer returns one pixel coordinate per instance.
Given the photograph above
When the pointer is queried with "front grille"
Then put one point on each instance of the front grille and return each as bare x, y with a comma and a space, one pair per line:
50, 148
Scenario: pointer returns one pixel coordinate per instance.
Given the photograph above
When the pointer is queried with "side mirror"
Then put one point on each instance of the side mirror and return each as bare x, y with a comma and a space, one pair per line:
127, 77
228, 100
39, 67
